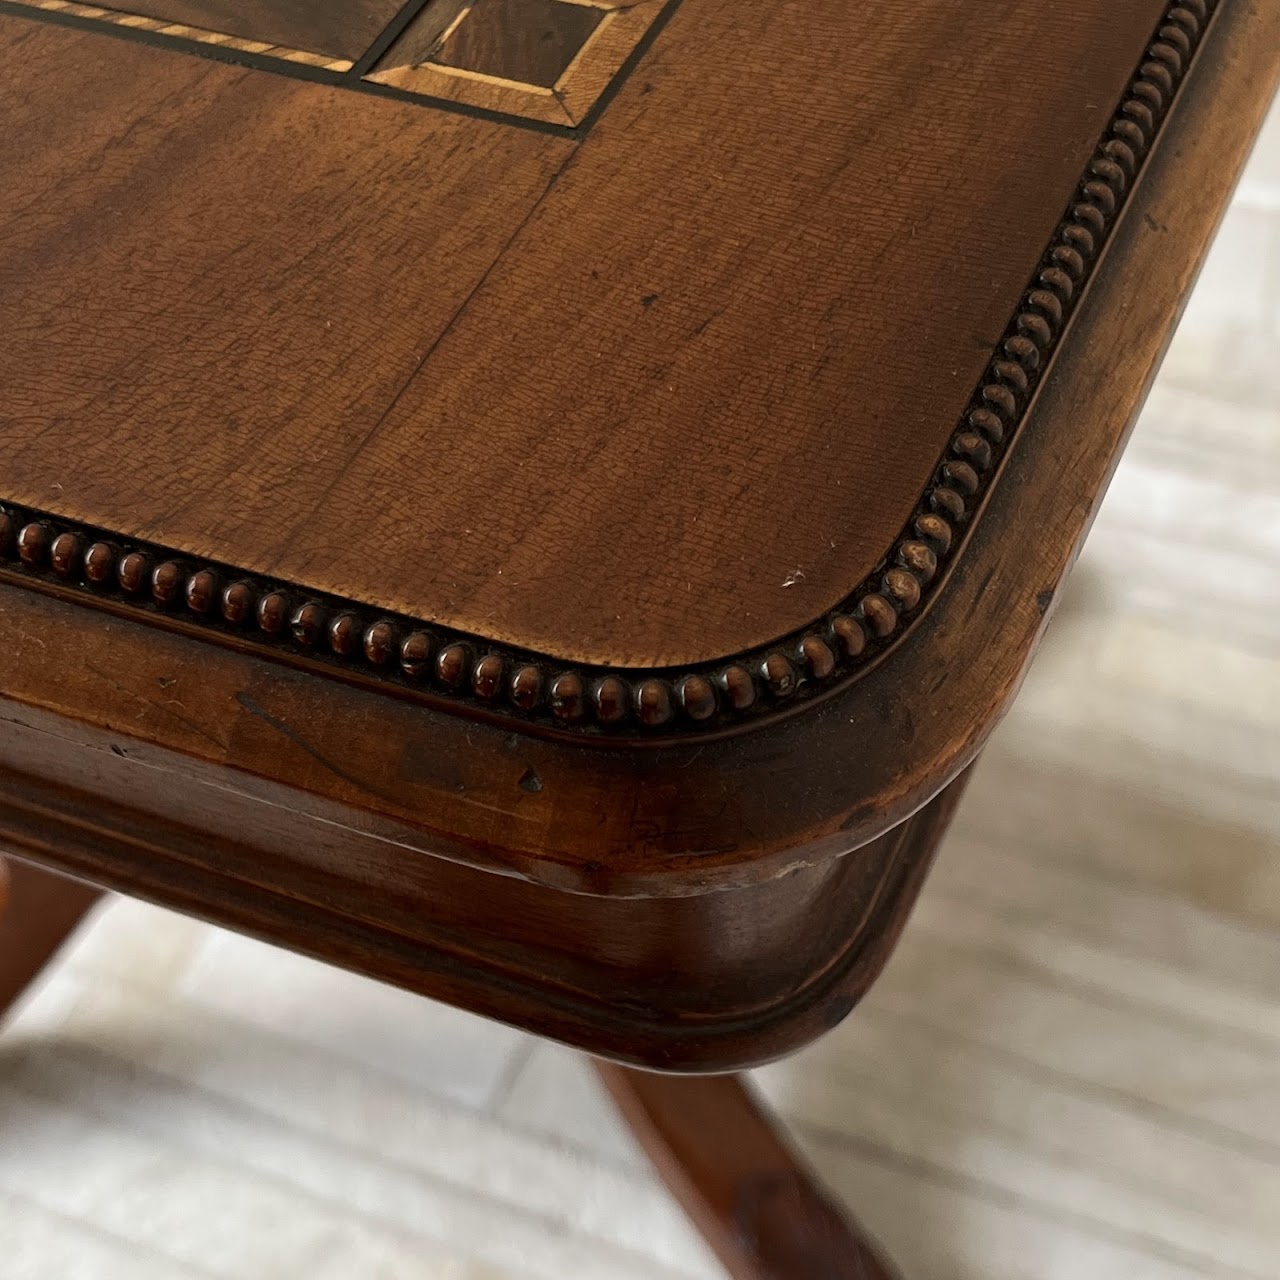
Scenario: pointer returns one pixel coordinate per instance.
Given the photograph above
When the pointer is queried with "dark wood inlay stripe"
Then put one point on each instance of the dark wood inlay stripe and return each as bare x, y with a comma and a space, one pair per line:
340, 29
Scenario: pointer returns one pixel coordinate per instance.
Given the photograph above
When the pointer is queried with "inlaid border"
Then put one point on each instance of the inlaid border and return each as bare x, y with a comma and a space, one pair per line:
178, 31
568, 109
578, 89
464, 671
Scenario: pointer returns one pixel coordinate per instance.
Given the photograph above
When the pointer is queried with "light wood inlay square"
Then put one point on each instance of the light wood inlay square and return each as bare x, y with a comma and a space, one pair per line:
545, 59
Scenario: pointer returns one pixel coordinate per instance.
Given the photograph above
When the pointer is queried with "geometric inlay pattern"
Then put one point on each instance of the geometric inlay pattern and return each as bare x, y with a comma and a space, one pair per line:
419, 658
546, 60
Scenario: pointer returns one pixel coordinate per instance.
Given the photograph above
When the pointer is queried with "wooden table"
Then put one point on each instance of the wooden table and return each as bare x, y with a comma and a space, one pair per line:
540, 501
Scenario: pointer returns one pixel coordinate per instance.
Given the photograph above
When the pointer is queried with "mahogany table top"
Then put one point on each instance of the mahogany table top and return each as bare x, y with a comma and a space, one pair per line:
630, 448
676, 380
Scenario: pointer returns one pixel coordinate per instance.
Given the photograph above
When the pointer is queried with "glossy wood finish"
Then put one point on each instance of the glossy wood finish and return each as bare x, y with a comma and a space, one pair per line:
323, 271
343, 30
831, 650
751, 1194
611, 419
38, 911
548, 61
720, 513
702, 982
351, 802
494, 558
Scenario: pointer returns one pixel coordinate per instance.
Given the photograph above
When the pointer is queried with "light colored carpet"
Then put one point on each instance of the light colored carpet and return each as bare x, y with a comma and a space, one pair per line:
1071, 1068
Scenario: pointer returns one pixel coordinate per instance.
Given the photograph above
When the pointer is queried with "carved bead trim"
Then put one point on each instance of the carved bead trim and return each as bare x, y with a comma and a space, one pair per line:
469, 670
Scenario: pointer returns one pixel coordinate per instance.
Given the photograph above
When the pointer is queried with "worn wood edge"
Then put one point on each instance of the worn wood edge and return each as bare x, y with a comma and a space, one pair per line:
865, 758
110, 847
538, 693
1133, 312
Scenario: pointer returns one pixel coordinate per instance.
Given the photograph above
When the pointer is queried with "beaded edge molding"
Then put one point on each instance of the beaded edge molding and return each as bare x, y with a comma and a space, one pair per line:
455, 668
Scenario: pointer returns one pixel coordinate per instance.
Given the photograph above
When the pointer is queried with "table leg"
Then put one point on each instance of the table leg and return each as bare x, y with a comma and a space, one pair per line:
754, 1198
38, 912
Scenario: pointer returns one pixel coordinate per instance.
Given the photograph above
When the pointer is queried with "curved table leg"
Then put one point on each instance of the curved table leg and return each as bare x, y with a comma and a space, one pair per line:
752, 1196
38, 911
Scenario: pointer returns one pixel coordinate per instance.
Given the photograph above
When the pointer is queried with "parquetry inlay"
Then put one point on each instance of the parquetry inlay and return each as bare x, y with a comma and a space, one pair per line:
548, 60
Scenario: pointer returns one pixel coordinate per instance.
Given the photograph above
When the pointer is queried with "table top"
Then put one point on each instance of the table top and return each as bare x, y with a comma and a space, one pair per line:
702, 379
631, 374
540, 502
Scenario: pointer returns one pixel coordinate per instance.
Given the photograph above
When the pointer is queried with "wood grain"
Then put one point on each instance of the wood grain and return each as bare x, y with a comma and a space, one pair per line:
549, 60
1053, 1058
196, 243
713, 981
686, 907
343, 30
219, 44
529, 41
698, 391
710, 422
38, 911
680, 819
378, 791
754, 1198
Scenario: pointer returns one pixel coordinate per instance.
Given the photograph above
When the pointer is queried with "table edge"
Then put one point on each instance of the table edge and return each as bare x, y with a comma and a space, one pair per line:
453, 670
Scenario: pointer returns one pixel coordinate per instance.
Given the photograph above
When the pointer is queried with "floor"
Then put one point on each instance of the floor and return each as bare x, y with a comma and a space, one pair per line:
1071, 1068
